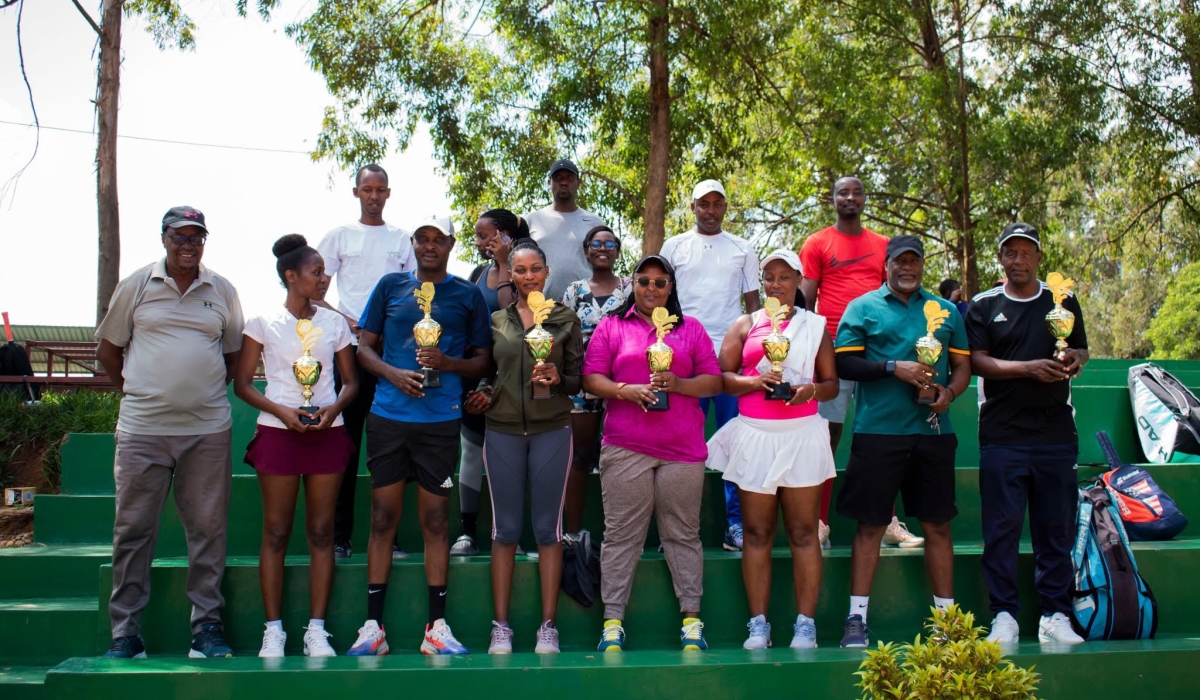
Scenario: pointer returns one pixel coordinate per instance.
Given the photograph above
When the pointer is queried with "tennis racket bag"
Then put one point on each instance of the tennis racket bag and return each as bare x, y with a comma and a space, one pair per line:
1167, 415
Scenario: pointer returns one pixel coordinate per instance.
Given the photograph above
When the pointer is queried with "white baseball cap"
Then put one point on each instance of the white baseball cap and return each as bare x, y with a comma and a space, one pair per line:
705, 187
785, 255
441, 223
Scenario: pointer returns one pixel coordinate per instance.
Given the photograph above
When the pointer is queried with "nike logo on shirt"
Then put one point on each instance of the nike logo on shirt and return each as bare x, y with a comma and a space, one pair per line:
835, 263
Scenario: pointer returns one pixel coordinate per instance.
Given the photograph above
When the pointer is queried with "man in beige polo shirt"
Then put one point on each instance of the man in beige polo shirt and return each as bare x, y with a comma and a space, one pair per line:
169, 343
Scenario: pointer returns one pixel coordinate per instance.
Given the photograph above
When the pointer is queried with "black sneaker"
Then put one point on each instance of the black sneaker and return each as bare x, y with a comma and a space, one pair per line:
856, 634
342, 550
127, 648
209, 643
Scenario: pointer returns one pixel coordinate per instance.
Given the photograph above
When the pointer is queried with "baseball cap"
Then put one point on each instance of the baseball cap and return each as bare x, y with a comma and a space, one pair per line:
905, 244
441, 223
178, 217
705, 187
563, 164
1020, 230
655, 258
785, 255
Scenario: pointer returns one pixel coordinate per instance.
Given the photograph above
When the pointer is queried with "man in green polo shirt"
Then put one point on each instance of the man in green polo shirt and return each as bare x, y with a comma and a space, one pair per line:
900, 446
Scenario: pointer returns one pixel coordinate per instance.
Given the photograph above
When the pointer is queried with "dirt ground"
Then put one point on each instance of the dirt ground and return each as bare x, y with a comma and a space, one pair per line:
16, 527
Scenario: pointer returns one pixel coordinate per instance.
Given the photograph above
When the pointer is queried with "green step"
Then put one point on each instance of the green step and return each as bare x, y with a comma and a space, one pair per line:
60, 571
48, 630
1163, 668
900, 599
22, 682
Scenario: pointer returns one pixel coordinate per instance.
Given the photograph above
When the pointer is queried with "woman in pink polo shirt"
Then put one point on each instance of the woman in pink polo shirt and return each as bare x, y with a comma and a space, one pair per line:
651, 460
776, 451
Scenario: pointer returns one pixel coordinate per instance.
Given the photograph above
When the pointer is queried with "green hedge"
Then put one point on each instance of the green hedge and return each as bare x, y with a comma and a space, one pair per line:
26, 428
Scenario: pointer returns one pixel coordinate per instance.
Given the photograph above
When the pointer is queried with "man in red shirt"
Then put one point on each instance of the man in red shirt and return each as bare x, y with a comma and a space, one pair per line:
842, 263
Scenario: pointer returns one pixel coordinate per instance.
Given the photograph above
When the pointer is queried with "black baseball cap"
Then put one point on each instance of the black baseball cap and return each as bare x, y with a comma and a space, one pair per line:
563, 164
905, 244
1020, 230
178, 217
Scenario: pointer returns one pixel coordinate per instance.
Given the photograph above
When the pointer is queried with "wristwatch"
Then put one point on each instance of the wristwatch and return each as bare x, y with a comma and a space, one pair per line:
890, 366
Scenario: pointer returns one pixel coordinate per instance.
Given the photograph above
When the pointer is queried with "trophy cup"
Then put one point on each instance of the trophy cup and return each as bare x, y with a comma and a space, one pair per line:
929, 348
307, 368
660, 354
776, 347
539, 340
427, 333
1060, 321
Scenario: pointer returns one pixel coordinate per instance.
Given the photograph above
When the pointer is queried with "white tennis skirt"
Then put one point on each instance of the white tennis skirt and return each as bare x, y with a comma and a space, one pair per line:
765, 455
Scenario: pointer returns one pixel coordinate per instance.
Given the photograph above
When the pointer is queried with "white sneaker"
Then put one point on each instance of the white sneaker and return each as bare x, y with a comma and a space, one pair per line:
1004, 630
502, 636
760, 633
273, 640
547, 639
1057, 628
316, 643
823, 534
897, 535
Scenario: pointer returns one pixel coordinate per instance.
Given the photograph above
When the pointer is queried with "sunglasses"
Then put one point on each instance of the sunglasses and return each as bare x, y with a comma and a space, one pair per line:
180, 239
660, 282
607, 245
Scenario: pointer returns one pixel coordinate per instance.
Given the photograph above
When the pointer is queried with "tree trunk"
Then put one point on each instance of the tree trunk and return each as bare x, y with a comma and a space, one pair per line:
657, 167
108, 87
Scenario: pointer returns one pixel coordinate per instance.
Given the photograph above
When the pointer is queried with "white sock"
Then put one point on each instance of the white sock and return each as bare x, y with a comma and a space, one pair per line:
942, 603
275, 624
858, 605
316, 624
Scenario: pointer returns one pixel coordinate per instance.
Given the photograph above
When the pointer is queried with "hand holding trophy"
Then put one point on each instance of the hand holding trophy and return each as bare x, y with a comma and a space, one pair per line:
776, 347
1060, 321
539, 340
929, 348
307, 368
660, 355
427, 333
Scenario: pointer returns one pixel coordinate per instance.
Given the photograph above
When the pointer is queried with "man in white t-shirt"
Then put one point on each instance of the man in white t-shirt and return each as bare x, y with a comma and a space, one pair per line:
559, 230
357, 256
717, 272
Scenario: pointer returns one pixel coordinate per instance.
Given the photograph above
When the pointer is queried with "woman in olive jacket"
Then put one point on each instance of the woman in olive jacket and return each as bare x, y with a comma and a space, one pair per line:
528, 441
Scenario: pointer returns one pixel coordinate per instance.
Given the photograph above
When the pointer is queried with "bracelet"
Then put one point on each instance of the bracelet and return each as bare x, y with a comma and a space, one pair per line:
620, 386
952, 394
814, 394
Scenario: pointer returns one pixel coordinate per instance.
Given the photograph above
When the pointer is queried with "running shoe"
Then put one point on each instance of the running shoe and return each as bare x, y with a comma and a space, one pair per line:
372, 641
760, 633
464, 546
612, 637
316, 643
856, 635
131, 647
1004, 630
398, 552
342, 550
502, 636
209, 643
547, 639
691, 637
804, 633
823, 534
733, 538
273, 640
897, 535
440, 640
1057, 628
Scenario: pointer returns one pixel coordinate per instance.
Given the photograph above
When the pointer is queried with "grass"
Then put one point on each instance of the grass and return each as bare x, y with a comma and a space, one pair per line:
36, 430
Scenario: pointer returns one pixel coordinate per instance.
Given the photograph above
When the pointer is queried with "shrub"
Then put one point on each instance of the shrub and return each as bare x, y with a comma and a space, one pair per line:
30, 430
954, 662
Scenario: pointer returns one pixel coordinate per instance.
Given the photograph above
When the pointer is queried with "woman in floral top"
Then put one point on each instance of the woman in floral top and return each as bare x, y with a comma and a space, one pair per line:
591, 299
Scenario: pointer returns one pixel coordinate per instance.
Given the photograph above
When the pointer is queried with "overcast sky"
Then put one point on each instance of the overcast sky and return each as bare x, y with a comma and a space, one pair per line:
246, 84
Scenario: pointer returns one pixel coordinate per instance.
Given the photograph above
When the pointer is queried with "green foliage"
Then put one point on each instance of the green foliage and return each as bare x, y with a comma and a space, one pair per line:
30, 428
955, 662
165, 21
1175, 331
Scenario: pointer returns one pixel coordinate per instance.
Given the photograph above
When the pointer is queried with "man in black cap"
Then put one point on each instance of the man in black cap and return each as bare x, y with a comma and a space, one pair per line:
900, 446
1027, 439
559, 230
169, 343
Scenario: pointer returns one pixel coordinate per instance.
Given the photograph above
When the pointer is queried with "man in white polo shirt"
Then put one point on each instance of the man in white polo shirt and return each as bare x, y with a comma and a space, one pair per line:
716, 273
357, 256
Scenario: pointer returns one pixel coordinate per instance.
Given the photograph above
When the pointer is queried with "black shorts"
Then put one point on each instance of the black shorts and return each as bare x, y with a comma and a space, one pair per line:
426, 453
918, 467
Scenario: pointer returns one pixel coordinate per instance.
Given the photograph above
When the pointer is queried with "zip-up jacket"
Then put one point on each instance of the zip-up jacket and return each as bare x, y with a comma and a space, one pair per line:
513, 411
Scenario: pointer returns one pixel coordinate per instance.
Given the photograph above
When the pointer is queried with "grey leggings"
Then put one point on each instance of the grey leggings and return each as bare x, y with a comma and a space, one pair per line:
540, 462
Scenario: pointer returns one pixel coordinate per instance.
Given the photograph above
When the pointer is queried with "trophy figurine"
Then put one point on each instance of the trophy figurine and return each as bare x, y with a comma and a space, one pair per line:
307, 368
539, 340
1060, 321
776, 347
427, 333
660, 354
929, 348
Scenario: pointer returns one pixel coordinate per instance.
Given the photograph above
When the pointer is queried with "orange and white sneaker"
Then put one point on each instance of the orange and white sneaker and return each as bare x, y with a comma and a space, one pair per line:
440, 640
371, 641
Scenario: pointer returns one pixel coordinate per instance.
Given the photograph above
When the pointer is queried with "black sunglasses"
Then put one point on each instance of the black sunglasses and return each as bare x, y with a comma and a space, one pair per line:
180, 239
659, 282
607, 245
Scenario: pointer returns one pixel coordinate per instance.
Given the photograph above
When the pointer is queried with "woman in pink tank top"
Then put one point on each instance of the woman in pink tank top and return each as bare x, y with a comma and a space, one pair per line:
777, 451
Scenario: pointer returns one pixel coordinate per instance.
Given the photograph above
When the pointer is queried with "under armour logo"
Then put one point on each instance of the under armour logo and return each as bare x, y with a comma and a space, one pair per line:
208, 305
191, 215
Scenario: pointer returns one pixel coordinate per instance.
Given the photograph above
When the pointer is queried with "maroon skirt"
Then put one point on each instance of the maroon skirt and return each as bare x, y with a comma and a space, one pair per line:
285, 452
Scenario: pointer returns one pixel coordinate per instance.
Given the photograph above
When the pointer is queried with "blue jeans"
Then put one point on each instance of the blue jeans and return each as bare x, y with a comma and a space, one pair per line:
726, 408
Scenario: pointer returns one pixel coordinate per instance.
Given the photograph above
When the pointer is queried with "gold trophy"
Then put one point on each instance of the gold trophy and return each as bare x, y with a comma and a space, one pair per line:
1060, 321
307, 368
427, 332
539, 340
660, 354
929, 348
776, 347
